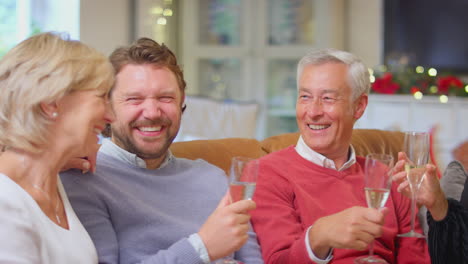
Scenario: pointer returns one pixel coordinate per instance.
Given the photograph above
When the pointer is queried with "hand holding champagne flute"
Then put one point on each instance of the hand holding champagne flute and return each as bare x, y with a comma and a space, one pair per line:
242, 183
377, 183
416, 147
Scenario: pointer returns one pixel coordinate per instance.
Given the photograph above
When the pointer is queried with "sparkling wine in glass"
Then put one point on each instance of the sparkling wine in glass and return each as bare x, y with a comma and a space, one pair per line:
243, 178
377, 184
242, 182
416, 147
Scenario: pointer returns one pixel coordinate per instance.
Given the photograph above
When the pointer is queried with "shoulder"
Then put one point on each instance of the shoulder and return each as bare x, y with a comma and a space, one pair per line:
15, 201
284, 162
11, 194
105, 161
72, 179
89, 184
279, 168
198, 164
360, 160
106, 166
285, 155
198, 172
22, 226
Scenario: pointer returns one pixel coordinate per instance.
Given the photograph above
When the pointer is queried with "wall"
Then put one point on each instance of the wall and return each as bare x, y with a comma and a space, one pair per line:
105, 24
146, 22
364, 30
404, 113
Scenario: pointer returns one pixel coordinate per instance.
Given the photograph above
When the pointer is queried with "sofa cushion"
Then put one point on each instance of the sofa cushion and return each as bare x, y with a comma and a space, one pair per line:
278, 142
364, 141
367, 141
218, 151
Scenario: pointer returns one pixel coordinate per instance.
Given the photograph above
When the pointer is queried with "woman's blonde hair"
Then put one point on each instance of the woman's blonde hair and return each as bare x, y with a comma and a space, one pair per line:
43, 69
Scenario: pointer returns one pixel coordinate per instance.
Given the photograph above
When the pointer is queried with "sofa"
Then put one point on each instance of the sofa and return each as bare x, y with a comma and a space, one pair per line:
220, 151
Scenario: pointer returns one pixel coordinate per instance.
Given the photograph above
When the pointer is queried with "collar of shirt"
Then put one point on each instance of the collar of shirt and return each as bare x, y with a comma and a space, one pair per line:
110, 148
309, 154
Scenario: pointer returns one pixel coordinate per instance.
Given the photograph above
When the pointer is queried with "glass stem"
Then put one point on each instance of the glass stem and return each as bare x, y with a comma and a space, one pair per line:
413, 207
371, 249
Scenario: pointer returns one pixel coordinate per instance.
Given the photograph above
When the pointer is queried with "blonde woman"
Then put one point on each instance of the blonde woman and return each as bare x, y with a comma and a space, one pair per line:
53, 104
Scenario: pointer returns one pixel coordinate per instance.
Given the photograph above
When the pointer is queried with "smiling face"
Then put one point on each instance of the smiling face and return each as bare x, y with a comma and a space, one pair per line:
82, 115
325, 112
147, 105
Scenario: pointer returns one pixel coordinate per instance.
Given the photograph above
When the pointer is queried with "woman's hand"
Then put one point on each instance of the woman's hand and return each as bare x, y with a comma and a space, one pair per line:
430, 193
84, 164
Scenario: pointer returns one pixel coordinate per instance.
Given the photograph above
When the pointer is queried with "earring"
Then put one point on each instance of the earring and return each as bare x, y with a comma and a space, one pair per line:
54, 114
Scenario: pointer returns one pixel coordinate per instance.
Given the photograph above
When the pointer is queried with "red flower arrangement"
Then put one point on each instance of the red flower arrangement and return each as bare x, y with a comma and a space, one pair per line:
407, 81
444, 84
385, 84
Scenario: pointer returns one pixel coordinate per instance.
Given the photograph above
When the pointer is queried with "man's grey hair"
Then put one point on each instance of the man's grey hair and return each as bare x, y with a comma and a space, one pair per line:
358, 73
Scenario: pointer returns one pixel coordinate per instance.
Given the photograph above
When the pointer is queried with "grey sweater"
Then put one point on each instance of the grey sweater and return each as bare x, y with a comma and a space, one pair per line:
137, 215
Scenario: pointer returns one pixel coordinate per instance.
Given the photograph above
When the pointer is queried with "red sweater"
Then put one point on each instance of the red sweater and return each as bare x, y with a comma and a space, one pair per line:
292, 193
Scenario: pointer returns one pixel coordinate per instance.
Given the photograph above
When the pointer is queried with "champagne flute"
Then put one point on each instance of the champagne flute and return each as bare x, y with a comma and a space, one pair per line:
243, 178
377, 184
242, 183
416, 147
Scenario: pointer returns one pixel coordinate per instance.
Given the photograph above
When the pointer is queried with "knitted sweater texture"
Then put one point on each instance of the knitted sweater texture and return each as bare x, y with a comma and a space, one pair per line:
137, 215
292, 193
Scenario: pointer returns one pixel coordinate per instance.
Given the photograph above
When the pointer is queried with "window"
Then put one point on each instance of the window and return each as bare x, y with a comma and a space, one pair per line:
14, 23
20, 19
429, 33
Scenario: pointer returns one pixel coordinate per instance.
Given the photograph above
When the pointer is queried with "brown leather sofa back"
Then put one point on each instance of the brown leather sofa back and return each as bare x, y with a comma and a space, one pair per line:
220, 151
364, 141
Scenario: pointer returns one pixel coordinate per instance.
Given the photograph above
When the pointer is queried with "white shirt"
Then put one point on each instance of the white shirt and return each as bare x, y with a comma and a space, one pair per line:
29, 236
309, 154
110, 148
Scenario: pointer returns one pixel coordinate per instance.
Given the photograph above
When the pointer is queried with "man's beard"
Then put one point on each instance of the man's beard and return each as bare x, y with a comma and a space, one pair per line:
125, 140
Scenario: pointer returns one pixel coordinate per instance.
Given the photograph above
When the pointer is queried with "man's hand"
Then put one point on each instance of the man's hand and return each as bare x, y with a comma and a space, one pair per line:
225, 230
353, 228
